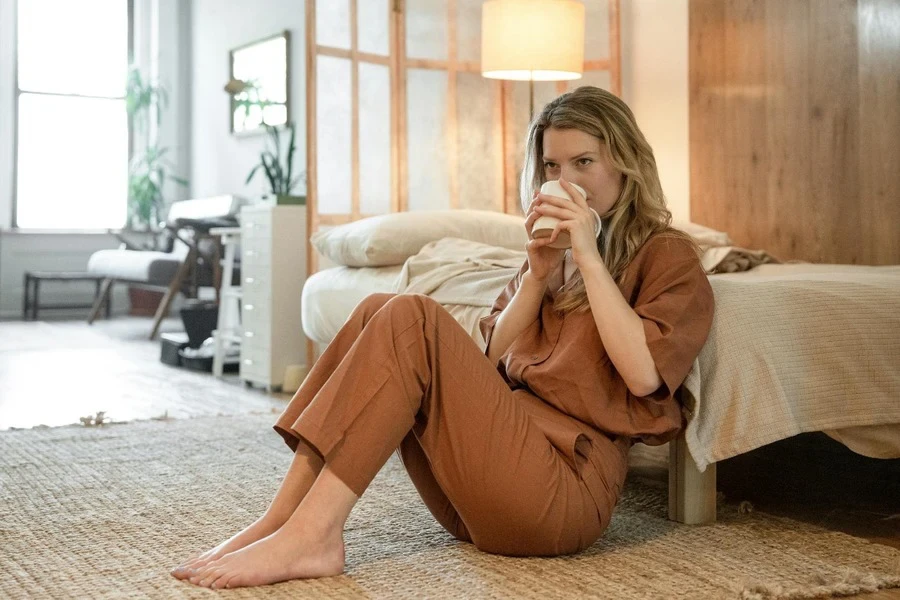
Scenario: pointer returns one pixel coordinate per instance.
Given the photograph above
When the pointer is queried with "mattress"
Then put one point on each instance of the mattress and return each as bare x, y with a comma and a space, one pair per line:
329, 296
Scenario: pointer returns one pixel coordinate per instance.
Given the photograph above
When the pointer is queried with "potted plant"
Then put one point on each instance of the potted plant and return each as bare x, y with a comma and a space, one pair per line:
148, 172
279, 173
149, 169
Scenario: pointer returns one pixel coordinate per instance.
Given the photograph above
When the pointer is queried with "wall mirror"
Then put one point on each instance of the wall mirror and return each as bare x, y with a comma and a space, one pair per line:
259, 84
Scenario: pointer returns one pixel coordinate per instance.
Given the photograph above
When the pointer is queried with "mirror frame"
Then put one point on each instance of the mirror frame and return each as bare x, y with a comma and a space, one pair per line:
286, 34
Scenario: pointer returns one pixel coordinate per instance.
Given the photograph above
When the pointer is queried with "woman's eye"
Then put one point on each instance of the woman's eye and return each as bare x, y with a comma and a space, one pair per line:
585, 162
549, 165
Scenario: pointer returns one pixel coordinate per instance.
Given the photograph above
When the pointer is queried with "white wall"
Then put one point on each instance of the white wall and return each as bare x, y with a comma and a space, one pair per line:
220, 161
655, 86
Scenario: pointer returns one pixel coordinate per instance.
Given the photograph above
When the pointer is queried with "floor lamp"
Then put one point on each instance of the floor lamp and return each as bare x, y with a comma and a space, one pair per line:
532, 40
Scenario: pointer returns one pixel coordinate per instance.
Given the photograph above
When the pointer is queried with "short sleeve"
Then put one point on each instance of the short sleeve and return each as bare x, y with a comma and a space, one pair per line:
675, 303
488, 323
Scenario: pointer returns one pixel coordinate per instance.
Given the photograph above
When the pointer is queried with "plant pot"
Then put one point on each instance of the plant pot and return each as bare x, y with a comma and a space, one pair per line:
282, 200
144, 302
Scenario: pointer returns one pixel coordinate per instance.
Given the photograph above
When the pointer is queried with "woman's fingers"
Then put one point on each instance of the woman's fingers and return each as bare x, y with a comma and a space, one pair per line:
529, 222
538, 243
559, 212
577, 198
544, 201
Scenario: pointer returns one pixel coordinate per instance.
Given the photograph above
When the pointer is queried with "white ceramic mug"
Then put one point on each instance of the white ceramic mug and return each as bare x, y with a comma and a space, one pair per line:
543, 227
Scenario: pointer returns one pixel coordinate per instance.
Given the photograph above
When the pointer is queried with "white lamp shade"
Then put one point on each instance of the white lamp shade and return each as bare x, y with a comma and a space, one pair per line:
540, 40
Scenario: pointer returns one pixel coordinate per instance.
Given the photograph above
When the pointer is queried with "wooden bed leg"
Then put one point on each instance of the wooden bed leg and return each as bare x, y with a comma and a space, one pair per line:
692, 494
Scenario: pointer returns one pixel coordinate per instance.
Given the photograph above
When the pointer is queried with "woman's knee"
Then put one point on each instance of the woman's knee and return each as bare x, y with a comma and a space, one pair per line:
371, 304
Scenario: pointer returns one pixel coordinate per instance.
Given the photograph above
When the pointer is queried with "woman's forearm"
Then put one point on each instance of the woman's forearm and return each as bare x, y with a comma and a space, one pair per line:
622, 332
521, 312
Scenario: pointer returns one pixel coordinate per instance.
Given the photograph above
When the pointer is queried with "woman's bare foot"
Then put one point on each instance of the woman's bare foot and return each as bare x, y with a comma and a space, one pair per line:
289, 553
256, 531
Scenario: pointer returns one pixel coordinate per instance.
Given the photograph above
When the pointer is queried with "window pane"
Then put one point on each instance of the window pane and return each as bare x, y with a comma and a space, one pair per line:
71, 47
72, 163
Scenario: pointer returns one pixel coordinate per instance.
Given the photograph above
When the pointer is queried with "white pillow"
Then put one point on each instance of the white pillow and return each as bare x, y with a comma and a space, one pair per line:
391, 239
704, 236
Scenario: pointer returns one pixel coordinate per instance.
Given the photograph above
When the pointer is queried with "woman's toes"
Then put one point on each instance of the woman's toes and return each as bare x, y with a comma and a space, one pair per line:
180, 572
210, 577
232, 580
219, 582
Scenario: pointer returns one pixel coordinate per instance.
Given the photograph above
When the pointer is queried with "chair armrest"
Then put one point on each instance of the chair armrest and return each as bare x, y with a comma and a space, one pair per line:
126, 243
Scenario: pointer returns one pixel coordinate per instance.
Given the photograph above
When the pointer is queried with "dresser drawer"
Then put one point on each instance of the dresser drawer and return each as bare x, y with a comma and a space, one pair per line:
255, 316
258, 245
256, 337
256, 224
255, 280
254, 365
254, 257
257, 296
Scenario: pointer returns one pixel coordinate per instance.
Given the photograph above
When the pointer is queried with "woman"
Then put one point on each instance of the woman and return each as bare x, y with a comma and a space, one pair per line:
520, 449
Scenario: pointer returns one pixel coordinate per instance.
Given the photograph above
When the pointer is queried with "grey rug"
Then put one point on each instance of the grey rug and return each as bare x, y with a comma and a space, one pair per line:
106, 512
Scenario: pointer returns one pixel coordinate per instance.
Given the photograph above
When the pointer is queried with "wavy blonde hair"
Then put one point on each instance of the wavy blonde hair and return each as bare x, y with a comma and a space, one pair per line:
638, 213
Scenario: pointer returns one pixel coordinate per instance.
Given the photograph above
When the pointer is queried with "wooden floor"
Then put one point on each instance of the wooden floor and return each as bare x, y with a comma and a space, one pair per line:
55, 372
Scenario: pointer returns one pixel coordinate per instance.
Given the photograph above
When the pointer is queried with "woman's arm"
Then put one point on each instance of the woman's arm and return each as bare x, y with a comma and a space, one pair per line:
521, 312
621, 330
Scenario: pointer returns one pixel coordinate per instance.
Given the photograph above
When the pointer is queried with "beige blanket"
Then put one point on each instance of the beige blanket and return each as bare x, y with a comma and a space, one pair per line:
466, 277
795, 348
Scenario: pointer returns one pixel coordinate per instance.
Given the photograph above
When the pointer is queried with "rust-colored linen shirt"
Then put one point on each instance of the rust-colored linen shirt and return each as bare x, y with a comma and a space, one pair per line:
562, 360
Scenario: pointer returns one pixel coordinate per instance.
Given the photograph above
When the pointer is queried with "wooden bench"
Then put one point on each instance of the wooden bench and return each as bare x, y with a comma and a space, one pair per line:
31, 301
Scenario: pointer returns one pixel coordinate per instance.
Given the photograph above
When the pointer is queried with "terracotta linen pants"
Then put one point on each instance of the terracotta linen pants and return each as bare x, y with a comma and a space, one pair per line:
495, 466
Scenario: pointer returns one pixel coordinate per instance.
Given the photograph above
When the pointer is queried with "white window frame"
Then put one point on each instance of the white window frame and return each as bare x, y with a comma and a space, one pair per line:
15, 120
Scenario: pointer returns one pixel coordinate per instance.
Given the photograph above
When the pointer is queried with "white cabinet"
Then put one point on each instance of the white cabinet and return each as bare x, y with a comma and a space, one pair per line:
273, 270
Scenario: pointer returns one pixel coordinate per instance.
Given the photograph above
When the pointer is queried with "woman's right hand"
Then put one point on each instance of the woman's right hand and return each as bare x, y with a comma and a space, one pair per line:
542, 259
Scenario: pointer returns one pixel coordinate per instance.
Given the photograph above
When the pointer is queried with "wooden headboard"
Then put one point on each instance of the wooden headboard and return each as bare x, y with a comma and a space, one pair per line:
795, 126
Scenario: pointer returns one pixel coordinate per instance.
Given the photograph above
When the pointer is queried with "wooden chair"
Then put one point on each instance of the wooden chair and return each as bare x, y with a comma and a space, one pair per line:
192, 260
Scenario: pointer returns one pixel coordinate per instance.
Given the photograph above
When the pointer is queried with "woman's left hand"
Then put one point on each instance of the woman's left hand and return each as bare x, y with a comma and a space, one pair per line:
576, 218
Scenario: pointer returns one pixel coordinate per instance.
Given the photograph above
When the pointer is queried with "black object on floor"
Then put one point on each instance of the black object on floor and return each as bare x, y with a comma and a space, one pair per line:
200, 319
205, 364
170, 344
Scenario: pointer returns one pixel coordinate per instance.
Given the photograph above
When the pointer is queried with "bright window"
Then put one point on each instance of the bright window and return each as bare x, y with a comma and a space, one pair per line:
72, 156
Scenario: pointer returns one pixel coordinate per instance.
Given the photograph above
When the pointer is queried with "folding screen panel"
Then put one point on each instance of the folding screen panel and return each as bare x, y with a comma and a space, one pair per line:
399, 117
351, 124
452, 137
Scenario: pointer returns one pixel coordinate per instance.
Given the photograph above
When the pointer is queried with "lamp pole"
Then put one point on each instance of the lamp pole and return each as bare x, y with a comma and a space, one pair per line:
531, 96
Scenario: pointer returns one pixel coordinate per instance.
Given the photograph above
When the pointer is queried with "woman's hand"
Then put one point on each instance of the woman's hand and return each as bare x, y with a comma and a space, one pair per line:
576, 218
542, 260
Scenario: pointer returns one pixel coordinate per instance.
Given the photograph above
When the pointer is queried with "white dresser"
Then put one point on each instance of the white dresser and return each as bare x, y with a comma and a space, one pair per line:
273, 270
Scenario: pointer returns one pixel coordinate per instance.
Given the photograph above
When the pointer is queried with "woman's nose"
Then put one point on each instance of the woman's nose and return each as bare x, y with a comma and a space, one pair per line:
569, 175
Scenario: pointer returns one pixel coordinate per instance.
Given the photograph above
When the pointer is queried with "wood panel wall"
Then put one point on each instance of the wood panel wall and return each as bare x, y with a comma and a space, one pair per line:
795, 126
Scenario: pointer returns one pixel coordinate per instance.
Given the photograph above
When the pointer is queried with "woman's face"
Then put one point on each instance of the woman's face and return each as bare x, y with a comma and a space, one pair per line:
579, 157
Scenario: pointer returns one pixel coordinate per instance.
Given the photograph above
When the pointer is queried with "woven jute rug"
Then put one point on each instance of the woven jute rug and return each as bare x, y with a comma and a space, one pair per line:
105, 512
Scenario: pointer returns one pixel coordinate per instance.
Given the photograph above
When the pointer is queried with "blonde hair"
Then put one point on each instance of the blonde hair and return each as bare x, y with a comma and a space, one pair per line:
638, 213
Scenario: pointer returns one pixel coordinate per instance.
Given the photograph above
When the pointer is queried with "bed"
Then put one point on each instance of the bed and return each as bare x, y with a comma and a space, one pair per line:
793, 347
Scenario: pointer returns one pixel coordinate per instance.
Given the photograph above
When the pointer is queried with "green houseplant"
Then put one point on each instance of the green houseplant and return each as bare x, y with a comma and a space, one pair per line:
149, 169
278, 166
148, 172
